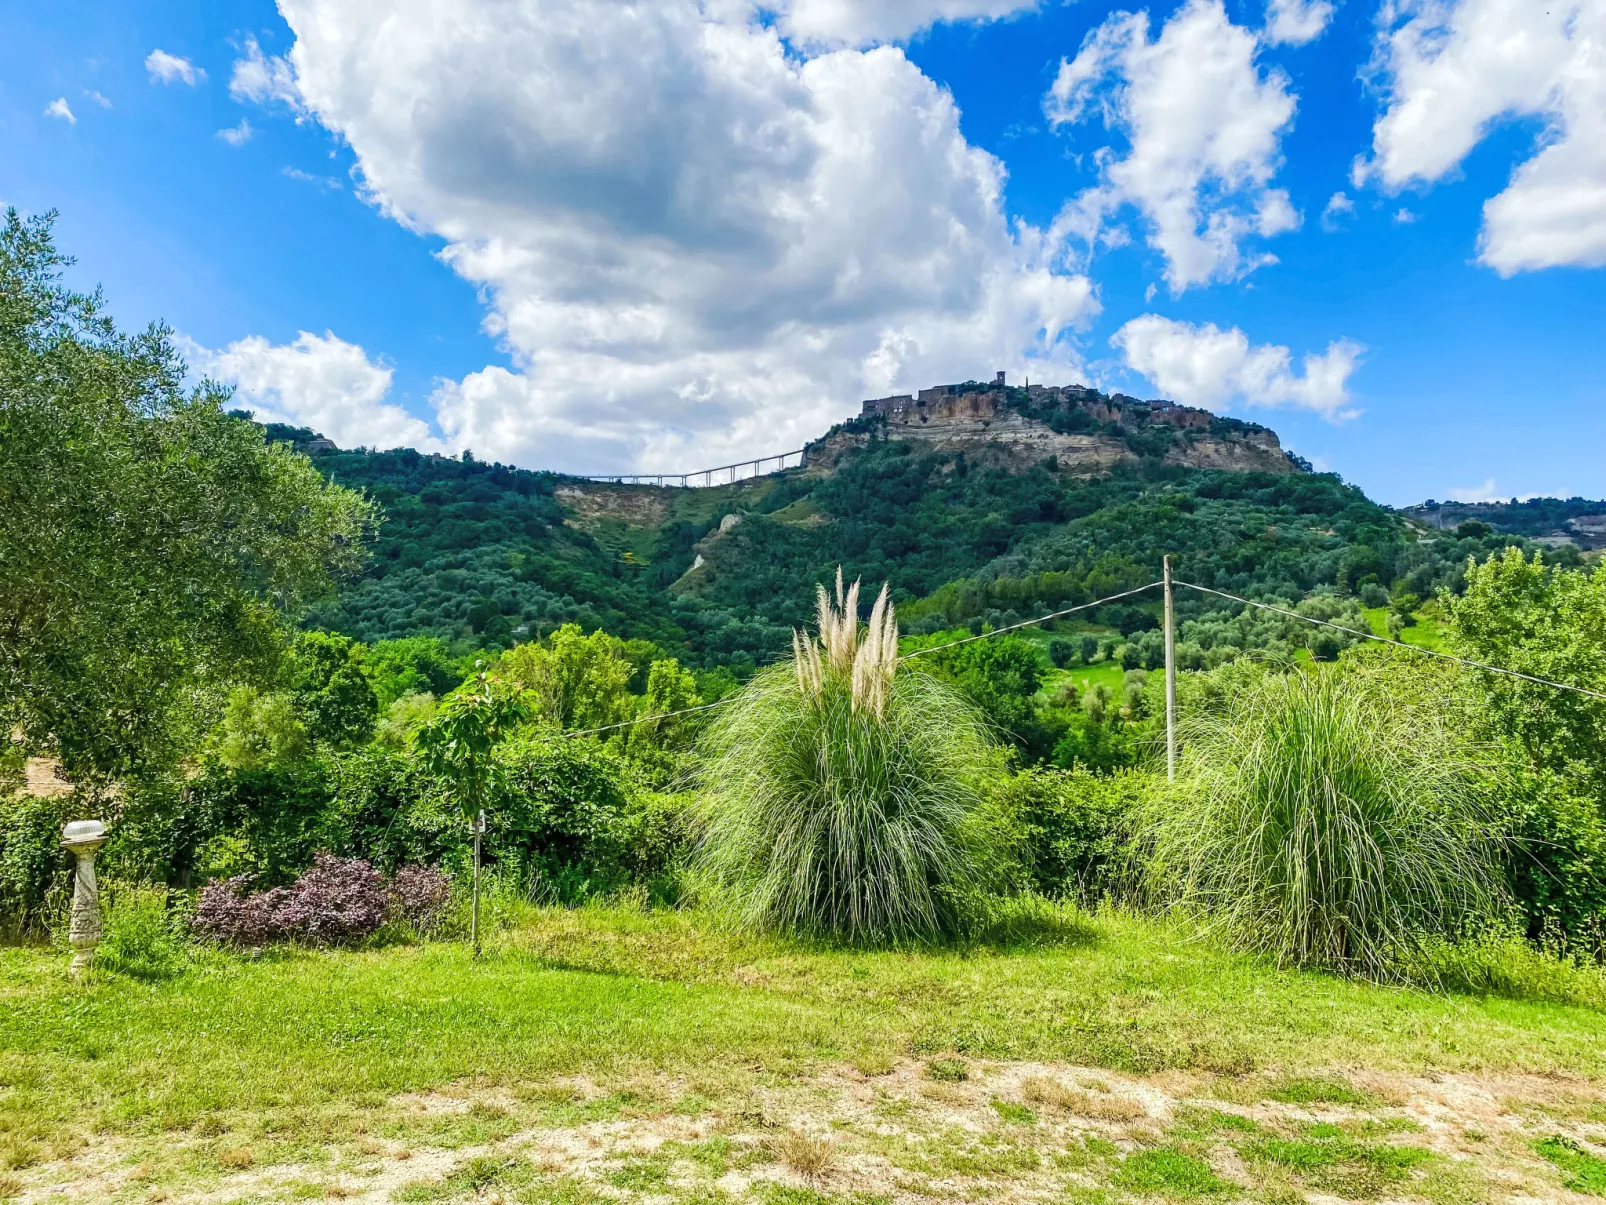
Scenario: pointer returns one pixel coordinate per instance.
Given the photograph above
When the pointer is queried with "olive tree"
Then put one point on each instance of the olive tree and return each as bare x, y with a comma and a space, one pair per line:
151, 545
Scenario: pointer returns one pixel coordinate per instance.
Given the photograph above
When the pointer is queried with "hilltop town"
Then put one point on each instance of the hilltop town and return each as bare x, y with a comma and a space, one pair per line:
1082, 430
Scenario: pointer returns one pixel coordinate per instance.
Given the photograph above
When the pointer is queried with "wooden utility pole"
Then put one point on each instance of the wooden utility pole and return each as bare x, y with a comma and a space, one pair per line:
1170, 680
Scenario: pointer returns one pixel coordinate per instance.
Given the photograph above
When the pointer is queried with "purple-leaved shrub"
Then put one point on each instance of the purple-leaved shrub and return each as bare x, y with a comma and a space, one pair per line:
336, 900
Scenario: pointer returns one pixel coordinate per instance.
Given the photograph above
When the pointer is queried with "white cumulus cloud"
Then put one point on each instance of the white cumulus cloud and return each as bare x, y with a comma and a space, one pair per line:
237, 135
58, 109
1214, 368
1204, 122
317, 381
172, 69
1295, 22
696, 245
264, 79
865, 22
1338, 207
1452, 69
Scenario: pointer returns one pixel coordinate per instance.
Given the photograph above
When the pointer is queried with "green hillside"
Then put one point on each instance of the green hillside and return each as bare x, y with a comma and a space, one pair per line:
484, 555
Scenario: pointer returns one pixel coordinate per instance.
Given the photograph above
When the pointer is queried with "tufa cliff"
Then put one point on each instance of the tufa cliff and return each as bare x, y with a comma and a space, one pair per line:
1085, 432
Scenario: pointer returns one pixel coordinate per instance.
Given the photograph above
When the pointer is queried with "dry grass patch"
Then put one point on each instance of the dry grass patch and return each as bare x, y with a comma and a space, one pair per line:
10, 1187
235, 1158
1105, 1106
808, 1156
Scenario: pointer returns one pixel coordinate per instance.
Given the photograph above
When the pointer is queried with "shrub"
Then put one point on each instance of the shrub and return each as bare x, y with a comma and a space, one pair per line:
845, 793
1556, 861
1321, 819
1076, 828
279, 818
1061, 652
560, 817
31, 858
337, 900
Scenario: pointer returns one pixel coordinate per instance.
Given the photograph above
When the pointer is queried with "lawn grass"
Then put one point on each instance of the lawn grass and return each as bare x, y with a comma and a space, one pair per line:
606, 991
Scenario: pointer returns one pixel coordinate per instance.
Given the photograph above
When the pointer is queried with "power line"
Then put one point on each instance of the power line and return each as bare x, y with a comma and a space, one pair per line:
666, 715
906, 657
1026, 623
1415, 648
1052, 615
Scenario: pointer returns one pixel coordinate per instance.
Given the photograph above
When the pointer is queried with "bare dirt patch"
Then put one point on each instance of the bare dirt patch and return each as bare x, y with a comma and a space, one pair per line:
974, 1130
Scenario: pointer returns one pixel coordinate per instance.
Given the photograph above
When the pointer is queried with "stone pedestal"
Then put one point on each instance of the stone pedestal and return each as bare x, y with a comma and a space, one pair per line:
84, 838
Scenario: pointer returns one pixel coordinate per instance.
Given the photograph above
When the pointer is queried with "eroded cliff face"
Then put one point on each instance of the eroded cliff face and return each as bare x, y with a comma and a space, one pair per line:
1012, 440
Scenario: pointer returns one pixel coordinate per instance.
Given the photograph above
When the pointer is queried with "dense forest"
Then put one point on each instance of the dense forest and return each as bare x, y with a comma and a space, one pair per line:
485, 555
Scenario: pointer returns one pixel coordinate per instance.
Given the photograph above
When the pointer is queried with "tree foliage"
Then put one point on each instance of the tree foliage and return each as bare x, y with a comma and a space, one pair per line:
149, 543
572, 680
1551, 623
458, 743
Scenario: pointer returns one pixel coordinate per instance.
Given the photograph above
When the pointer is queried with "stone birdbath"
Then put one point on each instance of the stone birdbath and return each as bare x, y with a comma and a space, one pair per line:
84, 838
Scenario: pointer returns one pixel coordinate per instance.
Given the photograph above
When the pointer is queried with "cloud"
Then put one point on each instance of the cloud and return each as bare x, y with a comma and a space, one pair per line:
172, 69
1452, 69
1404, 216
237, 135
695, 243
100, 100
1477, 493
264, 79
1204, 124
295, 173
58, 108
1295, 22
317, 381
1209, 367
1338, 207
866, 22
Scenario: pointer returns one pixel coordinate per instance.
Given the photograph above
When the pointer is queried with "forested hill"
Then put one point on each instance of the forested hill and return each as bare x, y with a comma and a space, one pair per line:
485, 555
1553, 521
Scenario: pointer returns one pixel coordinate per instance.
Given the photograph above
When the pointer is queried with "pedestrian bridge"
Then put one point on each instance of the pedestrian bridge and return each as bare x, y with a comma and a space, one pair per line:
725, 474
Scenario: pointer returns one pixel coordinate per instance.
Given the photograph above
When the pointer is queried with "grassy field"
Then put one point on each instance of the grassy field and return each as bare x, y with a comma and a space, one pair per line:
1427, 632
610, 1054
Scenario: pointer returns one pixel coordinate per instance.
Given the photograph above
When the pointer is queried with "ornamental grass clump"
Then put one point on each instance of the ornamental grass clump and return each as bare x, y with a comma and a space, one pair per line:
844, 792
1328, 821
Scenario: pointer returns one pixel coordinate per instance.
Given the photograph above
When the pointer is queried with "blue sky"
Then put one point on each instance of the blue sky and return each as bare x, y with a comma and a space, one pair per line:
591, 235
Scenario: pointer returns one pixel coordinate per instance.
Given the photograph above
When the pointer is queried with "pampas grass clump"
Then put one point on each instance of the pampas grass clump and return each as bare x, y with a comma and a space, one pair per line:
1328, 821
844, 791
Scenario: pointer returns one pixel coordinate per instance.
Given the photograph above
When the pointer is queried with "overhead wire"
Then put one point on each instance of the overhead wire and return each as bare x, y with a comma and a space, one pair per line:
1415, 648
1053, 615
669, 715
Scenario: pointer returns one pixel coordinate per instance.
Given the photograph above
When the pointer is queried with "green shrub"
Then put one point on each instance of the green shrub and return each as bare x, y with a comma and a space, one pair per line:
32, 861
1076, 828
658, 836
845, 793
1555, 861
1326, 820
140, 937
561, 815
